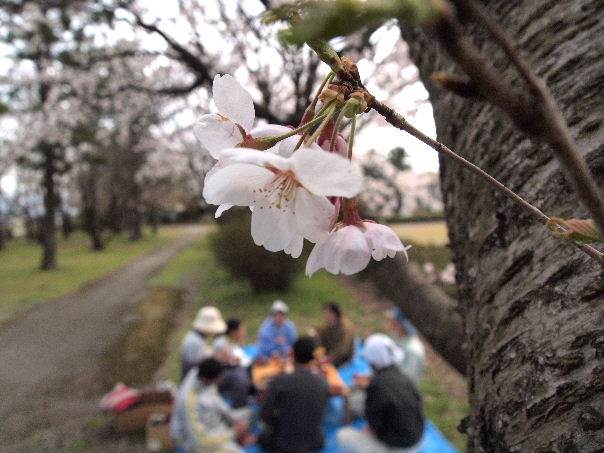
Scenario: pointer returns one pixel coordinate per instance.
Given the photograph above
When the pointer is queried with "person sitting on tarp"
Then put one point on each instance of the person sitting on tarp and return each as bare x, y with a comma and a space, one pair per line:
336, 335
393, 408
277, 333
294, 406
197, 343
236, 383
201, 421
406, 337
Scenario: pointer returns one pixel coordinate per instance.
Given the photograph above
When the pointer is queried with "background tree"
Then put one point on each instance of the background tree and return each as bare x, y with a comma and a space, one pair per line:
281, 80
393, 190
533, 307
399, 158
40, 38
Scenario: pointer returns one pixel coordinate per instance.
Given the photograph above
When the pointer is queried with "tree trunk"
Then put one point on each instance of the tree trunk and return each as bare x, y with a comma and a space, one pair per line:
30, 226
427, 306
66, 224
533, 306
92, 221
49, 229
115, 214
153, 219
136, 216
136, 226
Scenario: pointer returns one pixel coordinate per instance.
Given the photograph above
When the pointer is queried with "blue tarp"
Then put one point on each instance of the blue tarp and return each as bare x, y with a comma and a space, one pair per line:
433, 440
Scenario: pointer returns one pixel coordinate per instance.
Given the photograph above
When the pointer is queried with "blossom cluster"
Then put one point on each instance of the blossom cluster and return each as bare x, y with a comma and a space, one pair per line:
295, 188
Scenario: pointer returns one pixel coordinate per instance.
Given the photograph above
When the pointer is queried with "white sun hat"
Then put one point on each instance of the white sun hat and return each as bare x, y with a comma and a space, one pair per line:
279, 307
209, 321
381, 351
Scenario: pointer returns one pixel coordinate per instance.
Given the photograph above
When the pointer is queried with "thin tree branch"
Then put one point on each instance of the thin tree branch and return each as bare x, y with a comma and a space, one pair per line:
170, 91
401, 123
190, 60
204, 76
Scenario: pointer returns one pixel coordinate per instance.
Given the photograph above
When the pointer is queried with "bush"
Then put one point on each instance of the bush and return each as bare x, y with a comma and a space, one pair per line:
234, 248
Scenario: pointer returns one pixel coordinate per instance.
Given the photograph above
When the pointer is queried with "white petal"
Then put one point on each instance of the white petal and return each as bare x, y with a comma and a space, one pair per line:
215, 133
269, 130
286, 147
223, 207
344, 251
233, 101
352, 251
272, 227
313, 215
255, 157
382, 240
324, 173
235, 184
295, 247
315, 259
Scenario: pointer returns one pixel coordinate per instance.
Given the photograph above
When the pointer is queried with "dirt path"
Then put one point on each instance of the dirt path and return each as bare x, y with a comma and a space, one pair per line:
50, 356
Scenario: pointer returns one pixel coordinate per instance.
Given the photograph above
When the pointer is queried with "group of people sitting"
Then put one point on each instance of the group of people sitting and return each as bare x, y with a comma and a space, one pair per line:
219, 409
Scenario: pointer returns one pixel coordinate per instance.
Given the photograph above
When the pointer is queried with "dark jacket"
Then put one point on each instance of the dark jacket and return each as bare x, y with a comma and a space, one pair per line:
338, 341
393, 408
293, 411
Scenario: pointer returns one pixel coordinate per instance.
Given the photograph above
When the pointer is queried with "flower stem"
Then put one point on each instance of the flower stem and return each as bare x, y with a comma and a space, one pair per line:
350, 206
302, 128
310, 110
336, 129
319, 129
303, 137
353, 127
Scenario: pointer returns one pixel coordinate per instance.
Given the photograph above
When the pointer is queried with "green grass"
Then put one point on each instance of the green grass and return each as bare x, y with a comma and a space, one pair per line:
186, 263
235, 298
444, 409
23, 284
439, 255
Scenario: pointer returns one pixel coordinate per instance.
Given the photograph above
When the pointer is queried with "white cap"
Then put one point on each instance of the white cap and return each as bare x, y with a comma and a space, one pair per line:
279, 307
381, 351
209, 321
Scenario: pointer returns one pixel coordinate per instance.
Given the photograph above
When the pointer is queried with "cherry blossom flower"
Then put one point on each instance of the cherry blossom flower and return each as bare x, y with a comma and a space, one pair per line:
285, 148
233, 124
349, 248
288, 196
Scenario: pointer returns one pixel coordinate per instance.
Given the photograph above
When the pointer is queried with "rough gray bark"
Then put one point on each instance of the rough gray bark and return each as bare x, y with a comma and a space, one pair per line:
427, 306
533, 307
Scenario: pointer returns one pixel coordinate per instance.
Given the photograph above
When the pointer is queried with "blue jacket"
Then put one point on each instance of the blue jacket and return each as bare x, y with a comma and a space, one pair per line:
267, 338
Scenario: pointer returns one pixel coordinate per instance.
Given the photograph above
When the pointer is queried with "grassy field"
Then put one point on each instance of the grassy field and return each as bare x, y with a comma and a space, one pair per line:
235, 298
432, 232
23, 284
